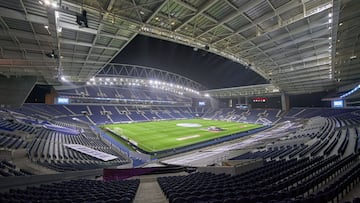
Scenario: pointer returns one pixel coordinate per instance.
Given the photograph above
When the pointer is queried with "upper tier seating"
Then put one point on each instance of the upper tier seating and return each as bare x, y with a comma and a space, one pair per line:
133, 93
263, 116
324, 112
100, 114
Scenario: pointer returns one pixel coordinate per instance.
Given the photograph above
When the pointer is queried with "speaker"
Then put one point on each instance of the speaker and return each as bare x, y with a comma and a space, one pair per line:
82, 19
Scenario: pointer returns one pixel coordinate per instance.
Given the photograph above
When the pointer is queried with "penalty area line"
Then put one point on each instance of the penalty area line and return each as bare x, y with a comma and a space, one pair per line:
187, 137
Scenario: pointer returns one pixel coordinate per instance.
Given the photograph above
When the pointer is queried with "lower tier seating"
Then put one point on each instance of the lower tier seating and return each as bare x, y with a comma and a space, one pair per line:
75, 191
8, 169
295, 180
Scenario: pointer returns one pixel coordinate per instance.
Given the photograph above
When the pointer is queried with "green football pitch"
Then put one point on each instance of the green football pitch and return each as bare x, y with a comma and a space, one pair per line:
163, 135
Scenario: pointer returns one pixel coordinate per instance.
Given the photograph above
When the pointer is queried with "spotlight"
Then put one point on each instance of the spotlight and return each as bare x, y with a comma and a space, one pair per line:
54, 5
353, 57
52, 55
63, 78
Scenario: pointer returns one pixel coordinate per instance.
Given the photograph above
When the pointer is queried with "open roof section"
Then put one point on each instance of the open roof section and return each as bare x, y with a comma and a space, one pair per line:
209, 69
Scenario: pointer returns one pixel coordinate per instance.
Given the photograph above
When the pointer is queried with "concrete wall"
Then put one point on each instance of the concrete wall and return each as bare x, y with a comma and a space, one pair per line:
218, 169
50, 98
15, 90
234, 167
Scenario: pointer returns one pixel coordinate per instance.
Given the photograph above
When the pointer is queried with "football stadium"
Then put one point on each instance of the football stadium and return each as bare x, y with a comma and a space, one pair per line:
176, 101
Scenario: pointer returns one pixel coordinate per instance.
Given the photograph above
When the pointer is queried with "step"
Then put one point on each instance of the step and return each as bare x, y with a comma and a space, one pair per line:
150, 192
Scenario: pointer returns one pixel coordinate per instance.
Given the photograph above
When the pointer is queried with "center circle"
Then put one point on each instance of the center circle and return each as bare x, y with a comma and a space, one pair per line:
189, 125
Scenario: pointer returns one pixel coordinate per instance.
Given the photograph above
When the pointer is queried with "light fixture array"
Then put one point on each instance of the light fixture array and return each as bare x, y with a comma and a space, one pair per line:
134, 82
350, 92
330, 15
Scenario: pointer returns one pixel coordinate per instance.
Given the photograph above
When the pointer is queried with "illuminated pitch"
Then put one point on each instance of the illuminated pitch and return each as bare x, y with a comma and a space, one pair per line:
165, 135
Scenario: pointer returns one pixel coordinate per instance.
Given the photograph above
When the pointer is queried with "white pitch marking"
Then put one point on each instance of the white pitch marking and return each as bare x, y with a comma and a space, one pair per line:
187, 137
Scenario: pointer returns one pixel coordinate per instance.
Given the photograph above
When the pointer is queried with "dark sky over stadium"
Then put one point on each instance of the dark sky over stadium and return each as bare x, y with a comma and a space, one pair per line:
210, 70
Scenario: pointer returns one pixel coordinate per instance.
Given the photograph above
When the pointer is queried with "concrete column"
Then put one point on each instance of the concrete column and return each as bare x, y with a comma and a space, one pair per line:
239, 100
230, 103
246, 100
285, 102
214, 103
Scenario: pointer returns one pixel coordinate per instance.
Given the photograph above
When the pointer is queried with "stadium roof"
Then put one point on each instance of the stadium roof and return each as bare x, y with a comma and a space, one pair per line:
300, 46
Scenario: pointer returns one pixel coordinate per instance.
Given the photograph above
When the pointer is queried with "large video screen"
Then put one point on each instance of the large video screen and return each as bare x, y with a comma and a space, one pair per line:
338, 104
62, 100
242, 106
202, 103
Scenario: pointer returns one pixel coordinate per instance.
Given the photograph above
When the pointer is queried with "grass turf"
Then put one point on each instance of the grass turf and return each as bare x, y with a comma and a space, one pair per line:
163, 135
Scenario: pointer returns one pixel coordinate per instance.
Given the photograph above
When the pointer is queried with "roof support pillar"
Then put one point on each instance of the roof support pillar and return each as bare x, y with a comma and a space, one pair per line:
285, 102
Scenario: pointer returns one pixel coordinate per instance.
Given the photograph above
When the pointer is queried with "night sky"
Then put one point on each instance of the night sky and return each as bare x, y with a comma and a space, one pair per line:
208, 69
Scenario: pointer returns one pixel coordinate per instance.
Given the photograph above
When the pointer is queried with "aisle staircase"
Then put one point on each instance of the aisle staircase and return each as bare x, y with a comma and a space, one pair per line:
149, 191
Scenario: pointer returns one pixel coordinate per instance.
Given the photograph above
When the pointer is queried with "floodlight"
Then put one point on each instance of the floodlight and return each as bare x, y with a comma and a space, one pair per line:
54, 4
63, 78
